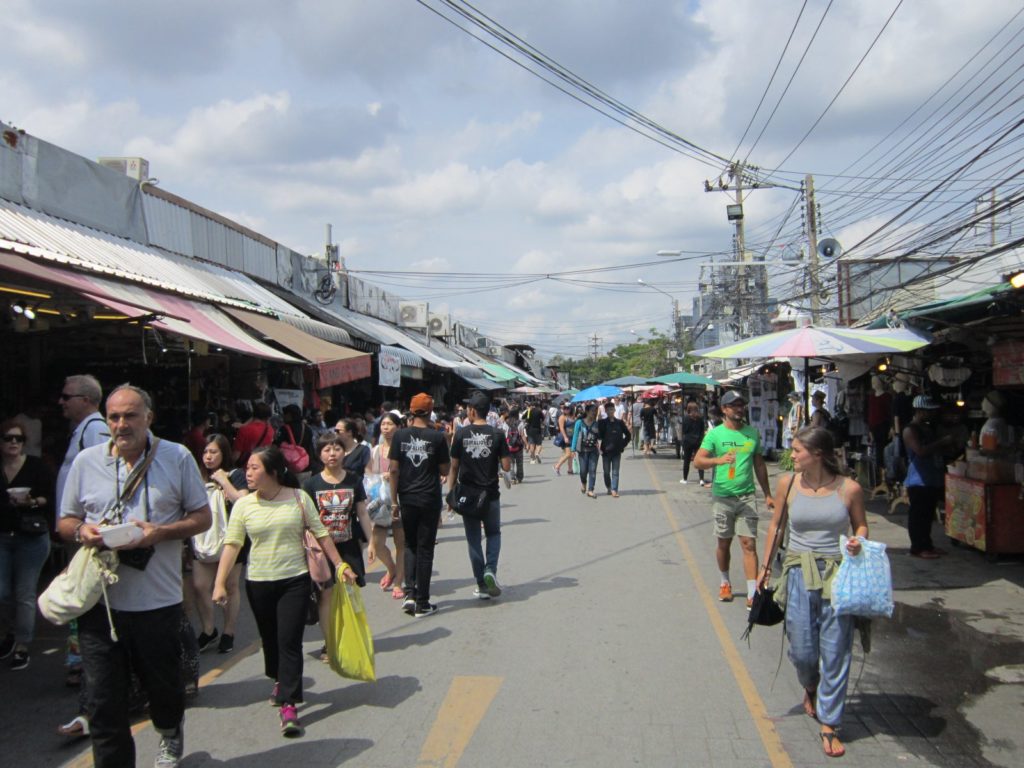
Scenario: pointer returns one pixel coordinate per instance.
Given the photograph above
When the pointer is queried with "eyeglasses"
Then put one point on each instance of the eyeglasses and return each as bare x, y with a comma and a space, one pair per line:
14, 438
64, 396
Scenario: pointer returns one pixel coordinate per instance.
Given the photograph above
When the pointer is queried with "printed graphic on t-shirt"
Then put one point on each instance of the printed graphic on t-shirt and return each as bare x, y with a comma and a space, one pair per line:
477, 445
417, 450
334, 506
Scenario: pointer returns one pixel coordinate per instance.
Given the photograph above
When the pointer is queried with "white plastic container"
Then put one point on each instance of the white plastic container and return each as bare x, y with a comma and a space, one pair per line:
18, 494
121, 535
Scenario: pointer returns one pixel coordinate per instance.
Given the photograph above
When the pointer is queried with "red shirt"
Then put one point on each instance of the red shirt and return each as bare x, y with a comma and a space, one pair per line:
252, 435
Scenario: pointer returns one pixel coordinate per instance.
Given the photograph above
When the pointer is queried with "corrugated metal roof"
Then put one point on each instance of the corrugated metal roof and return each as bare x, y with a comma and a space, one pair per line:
39, 235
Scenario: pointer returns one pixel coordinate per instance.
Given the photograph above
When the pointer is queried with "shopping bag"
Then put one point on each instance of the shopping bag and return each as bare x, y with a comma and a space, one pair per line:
349, 642
862, 585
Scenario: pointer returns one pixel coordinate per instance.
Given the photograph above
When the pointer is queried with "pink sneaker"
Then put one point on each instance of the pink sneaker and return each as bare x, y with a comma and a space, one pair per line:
290, 725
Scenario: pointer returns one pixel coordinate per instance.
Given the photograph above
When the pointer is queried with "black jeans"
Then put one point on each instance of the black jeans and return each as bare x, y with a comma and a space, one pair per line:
279, 608
689, 450
149, 643
420, 526
921, 515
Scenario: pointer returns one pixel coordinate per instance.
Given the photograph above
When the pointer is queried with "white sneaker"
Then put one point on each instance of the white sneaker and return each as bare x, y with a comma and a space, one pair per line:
170, 750
684, 481
481, 594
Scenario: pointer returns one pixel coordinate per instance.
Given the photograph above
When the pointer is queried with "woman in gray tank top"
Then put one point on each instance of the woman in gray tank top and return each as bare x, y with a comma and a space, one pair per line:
821, 503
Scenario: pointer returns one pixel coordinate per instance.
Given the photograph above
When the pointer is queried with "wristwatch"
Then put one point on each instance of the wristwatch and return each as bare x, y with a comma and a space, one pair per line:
78, 532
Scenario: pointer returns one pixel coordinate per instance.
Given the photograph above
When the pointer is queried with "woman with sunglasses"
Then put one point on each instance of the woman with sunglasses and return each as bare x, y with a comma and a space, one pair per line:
357, 453
223, 489
25, 520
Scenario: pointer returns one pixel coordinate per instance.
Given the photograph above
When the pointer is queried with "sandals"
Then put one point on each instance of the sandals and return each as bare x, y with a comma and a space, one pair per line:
76, 729
387, 581
831, 745
591, 494
398, 593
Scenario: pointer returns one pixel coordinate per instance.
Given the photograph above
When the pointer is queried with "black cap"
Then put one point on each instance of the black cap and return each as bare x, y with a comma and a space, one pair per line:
478, 401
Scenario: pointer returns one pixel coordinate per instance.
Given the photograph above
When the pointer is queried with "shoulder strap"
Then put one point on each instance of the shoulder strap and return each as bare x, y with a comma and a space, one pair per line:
266, 428
81, 437
131, 483
783, 519
291, 435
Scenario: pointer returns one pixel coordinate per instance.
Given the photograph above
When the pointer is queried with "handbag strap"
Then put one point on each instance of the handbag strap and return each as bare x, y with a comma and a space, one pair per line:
783, 519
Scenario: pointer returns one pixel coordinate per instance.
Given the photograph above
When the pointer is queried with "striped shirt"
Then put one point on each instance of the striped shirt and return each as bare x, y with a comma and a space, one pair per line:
275, 528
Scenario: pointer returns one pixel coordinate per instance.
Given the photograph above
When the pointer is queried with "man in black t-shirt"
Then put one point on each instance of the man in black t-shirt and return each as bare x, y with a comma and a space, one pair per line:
614, 436
534, 418
478, 451
419, 456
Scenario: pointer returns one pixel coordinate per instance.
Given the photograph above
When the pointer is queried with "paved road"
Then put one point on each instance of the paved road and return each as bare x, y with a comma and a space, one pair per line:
607, 649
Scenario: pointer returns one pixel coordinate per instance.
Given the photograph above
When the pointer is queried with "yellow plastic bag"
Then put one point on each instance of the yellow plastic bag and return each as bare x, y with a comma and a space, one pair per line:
349, 642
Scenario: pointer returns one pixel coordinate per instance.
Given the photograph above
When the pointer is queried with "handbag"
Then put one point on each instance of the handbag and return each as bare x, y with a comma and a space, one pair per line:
316, 559
32, 522
78, 588
348, 636
313, 606
467, 501
862, 585
295, 455
207, 546
764, 611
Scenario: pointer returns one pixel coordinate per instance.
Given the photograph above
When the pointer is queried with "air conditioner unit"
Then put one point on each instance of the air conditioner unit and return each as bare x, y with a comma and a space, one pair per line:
440, 325
412, 314
133, 167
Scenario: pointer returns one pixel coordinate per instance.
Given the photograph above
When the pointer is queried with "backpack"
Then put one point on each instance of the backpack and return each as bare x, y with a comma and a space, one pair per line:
588, 438
514, 438
207, 546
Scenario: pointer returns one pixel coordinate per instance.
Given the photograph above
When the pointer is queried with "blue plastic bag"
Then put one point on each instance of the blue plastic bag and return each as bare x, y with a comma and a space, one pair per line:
862, 585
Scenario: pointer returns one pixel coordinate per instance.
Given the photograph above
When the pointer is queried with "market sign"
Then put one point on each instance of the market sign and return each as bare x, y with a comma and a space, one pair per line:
389, 368
1008, 364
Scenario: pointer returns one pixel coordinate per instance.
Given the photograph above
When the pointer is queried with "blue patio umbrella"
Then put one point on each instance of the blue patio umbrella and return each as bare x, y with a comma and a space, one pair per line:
596, 393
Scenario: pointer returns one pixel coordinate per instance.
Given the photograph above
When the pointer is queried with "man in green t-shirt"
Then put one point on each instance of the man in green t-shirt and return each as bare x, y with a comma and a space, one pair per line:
732, 451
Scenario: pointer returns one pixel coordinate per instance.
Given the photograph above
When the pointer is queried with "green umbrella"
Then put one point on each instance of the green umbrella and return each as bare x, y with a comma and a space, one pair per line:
684, 377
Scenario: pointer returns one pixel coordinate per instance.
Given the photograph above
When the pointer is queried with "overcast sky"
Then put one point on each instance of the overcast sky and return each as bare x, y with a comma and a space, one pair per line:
429, 151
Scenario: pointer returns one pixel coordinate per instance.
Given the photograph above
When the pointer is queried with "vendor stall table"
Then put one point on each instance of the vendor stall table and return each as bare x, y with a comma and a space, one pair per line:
988, 517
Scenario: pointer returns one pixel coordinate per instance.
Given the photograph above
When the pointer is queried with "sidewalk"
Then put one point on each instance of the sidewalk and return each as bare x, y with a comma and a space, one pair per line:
946, 674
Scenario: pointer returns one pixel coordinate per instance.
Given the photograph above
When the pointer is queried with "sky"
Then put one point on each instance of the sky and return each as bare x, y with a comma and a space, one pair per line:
430, 152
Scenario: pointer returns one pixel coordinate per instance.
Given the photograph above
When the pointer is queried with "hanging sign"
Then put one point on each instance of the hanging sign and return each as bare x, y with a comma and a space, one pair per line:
389, 368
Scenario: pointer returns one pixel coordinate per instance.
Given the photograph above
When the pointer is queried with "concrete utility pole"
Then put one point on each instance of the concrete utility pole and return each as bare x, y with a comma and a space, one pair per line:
593, 346
812, 246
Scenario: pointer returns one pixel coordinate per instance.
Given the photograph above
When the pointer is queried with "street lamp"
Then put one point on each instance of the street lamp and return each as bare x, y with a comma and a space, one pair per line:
675, 310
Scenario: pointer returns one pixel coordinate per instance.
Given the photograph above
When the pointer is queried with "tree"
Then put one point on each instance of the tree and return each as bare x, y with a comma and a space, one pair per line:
645, 357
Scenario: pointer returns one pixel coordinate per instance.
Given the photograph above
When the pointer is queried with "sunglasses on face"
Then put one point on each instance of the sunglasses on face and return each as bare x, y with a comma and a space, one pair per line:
14, 438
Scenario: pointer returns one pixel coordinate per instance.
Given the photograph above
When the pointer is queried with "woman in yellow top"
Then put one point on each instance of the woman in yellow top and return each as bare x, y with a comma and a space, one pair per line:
277, 578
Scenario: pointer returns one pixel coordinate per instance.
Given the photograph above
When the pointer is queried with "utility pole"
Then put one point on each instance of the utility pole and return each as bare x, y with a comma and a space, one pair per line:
593, 346
812, 245
741, 289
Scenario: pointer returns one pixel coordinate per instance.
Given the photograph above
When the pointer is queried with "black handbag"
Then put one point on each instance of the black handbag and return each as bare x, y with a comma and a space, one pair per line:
32, 522
467, 501
764, 611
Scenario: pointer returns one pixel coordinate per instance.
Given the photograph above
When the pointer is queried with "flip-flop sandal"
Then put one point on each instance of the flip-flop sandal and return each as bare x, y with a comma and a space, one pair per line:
829, 746
398, 593
76, 728
387, 581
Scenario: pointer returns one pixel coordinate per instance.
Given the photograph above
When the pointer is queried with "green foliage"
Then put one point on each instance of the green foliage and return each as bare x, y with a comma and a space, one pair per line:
645, 357
786, 460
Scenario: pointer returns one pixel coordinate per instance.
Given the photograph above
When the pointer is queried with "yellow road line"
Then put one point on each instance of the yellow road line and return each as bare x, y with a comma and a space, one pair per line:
755, 704
84, 760
463, 708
